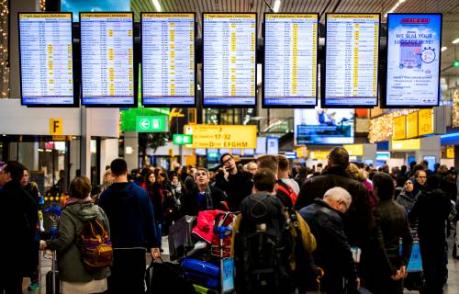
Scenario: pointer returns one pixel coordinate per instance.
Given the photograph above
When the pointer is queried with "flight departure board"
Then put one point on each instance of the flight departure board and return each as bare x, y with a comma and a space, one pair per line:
413, 60
351, 60
168, 59
290, 66
45, 43
229, 67
107, 59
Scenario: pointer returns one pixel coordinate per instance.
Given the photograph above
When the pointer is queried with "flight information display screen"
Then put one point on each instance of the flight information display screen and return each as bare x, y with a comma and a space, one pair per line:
413, 60
168, 59
46, 59
107, 59
290, 67
229, 67
351, 60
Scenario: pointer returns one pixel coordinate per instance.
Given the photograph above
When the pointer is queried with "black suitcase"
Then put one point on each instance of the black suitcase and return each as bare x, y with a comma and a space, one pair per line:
166, 277
53, 283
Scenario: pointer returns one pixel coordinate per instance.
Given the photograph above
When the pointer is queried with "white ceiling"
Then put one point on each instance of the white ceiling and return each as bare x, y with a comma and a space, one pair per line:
449, 8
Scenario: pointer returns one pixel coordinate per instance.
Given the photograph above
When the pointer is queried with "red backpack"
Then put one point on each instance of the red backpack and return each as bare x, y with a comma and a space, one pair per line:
288, 191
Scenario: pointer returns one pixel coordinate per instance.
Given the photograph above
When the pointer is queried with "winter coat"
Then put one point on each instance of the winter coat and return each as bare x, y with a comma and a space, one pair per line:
71, 267
19, 216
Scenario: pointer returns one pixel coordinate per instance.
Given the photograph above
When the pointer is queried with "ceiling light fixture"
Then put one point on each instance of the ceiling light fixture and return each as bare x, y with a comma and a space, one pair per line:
455, 41
444, 48
277, 5
396, 5
157, 5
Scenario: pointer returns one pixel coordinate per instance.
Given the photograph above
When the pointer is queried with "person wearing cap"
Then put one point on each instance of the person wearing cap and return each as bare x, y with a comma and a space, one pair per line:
236, 184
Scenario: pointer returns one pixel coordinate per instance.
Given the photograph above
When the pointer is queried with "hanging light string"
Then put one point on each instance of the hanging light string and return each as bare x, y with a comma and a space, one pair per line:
4, 67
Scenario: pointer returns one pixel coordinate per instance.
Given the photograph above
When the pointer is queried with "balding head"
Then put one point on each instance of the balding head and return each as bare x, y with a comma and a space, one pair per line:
338, 198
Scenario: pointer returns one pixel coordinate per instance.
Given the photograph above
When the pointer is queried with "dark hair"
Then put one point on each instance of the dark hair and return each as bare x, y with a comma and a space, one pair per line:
223, 155
416, 174
118, 167
433, 182
80, 187
385, 185
283, 163
264, 180
339, 157
268, 162
15, 169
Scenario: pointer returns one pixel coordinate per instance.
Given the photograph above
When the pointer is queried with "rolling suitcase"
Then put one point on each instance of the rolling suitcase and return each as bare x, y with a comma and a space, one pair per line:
53, 283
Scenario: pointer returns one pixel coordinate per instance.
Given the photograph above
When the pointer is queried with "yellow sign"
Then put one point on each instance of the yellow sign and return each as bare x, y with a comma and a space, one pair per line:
56, 126
354, 149
222, 136
406, 145
426, 123
399, 128
319, 154
412, 125
301, 151
450, 152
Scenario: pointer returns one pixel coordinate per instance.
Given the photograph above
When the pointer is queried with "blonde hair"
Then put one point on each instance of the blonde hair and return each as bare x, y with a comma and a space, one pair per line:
354, 171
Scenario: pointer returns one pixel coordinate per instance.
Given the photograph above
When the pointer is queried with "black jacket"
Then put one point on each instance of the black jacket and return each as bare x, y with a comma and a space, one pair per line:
393, 221
358, 221
432, 210
131, 217
191, 206
236, 188
333, 253
19, 216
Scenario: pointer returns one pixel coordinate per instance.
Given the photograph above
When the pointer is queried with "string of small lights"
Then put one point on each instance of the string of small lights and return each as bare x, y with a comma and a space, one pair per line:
4, 66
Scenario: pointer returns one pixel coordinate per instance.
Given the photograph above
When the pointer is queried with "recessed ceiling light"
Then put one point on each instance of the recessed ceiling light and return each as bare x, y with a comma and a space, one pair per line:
456, 41
444, 48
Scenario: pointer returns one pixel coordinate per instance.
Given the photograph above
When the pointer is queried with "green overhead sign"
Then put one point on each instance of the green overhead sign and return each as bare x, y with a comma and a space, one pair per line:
181, 139
151, 124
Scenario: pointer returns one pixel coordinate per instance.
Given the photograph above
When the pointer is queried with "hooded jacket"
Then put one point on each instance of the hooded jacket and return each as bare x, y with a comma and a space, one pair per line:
70, 264
131, 216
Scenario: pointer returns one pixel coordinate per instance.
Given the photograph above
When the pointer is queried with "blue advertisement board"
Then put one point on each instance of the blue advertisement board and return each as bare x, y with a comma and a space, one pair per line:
413, 60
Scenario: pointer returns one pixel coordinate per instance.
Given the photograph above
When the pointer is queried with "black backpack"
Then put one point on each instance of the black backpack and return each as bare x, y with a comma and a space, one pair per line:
262, 247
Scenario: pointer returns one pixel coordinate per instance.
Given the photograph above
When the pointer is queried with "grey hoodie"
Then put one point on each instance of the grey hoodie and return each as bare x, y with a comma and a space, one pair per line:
70, 265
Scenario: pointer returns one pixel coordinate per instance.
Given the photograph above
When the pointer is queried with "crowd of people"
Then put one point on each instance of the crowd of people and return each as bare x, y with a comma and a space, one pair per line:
357, 222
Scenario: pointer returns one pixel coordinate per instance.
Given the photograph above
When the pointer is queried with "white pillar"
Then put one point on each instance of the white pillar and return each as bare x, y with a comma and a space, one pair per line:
131, 149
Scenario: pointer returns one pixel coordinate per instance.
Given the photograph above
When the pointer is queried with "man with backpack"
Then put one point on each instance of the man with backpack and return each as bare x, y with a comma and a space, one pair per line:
133, 229
263, 242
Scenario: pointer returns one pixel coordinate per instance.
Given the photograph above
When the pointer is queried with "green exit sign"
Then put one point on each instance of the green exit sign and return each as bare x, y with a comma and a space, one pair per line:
151, 124
456, 63
181, 139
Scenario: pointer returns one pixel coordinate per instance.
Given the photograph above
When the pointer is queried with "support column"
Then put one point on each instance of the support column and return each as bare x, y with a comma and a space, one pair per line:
131, 149
85, 145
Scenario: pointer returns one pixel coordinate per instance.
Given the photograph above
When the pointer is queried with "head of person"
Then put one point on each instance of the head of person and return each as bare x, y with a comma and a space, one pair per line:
338, 158
403, 170
355, 173
151, 179
107, 179
201, 177
25, 178
80, 187
383, 186
264, 180
118, 167
268, 162
421, 177
443, 169
228, 162
338, 198
160, 175
319, 167
409, 186
251, 167
283, 166
433, 182
11, 171
175, 179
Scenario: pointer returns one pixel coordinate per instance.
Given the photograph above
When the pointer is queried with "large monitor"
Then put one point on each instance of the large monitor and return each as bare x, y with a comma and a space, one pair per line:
107, 65
77, 6
229, 63
413, 60
290, 65
351, 60
323, 126
46, 59
168, 59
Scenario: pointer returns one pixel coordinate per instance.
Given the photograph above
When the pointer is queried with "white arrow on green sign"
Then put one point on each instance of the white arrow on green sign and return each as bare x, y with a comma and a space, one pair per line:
151, 124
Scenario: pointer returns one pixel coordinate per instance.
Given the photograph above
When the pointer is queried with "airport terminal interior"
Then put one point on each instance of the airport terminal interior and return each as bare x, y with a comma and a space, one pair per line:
199, 106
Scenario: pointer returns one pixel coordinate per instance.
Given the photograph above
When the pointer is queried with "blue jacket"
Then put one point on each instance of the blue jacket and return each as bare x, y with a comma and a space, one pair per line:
131, 217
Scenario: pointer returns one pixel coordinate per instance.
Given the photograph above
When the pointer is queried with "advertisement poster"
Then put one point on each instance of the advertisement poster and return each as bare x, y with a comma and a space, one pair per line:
413, 59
